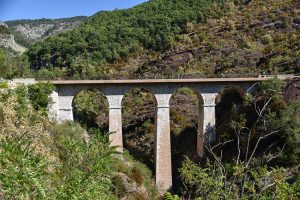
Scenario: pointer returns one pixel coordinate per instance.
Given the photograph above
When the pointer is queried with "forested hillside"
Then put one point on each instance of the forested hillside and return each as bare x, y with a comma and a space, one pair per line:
111, 37
169, 38
259, 37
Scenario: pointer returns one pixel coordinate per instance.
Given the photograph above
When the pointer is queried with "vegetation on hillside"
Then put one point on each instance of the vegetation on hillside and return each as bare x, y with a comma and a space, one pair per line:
256, 159
180, 39
4, 30
13, 64
43, 160
259, 37
108, 37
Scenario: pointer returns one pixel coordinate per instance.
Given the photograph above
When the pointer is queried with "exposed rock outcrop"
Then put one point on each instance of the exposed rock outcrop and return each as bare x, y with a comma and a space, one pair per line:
7, 40
3, 24
30, 31
39, 31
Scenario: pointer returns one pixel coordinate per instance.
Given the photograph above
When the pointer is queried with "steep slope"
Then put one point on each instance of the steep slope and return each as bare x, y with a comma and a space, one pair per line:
27, 32
263, 36
7, 39
176, 39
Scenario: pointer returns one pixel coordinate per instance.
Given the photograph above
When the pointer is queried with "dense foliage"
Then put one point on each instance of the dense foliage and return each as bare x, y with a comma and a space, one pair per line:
91, 109
260, 37
170, 38
43, 160
260, 182
259, 159
13, 65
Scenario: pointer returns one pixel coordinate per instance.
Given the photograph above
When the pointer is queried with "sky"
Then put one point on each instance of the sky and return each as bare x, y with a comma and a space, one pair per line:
36, 9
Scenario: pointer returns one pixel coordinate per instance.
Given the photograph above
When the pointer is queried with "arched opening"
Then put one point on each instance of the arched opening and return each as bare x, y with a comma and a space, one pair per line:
138, 116
186, 115
229, 100
90, 109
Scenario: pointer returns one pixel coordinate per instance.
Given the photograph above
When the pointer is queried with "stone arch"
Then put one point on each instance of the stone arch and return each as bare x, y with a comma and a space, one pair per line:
200, 113
138, 123
186, 114
228, 97
63, 99
90, 108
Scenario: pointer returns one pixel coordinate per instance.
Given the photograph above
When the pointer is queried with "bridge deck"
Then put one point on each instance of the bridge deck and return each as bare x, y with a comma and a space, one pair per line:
202, 80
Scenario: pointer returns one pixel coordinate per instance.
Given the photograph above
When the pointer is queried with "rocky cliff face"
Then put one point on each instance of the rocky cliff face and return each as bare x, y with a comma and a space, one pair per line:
30, 31
19, 34
7, 40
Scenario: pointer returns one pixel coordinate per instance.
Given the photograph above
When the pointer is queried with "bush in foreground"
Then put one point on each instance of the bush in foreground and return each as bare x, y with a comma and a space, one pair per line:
43, 160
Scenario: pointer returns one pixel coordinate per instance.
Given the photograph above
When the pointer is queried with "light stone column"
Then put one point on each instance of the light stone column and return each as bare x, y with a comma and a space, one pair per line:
207, 122
115, 121
65, 108
53, 107
163, 163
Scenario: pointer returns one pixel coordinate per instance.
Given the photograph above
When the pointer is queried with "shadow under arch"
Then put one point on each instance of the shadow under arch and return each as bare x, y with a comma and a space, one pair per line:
90, 109
227, 101
138, 125
186, 118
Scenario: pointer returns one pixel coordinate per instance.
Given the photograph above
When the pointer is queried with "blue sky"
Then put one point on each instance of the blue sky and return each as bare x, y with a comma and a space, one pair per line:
35, 9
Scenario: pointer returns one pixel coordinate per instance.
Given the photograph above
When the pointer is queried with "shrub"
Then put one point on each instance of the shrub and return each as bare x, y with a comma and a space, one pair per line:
3, 84
38, 95
26, 160
44, 160
256, 183
267, 39
23, 174
85, 165
169, 196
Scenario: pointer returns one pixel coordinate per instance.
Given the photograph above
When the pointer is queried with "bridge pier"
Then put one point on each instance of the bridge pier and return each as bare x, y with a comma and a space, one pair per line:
207, 122
65, 108
115, 121
163, 163
53, 107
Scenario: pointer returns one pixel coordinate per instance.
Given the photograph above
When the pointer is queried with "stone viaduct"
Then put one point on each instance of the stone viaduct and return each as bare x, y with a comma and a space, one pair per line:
162, 89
